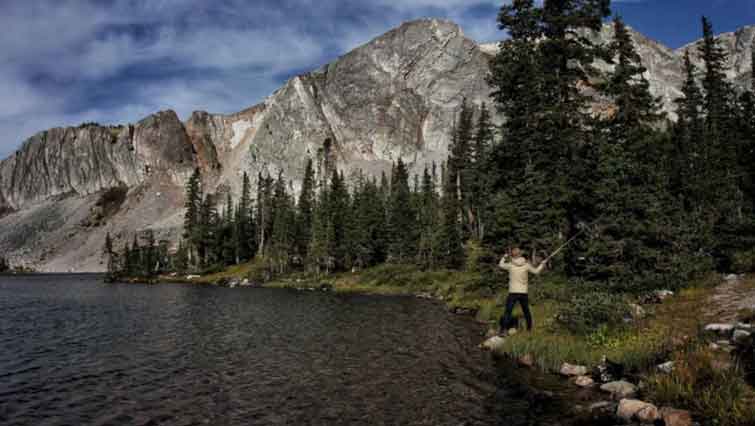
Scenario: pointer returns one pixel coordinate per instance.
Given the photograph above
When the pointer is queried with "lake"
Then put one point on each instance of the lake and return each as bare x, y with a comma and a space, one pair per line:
79, 352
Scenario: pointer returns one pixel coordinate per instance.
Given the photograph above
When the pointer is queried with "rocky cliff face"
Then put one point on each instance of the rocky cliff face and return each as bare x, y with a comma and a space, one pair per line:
395, 97
85, 160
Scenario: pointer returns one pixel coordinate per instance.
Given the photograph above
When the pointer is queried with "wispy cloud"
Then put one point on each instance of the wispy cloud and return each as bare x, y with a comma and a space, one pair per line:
67, 61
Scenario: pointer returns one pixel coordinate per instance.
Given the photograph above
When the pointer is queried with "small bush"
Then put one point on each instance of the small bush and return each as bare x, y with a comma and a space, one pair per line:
589, 310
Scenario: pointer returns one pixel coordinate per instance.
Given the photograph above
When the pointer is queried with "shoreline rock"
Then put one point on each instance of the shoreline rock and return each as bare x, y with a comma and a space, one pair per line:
634, 409
620, 389
572, 370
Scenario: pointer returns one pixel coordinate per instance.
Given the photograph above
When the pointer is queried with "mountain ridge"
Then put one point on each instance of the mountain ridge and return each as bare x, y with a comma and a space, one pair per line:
395, 96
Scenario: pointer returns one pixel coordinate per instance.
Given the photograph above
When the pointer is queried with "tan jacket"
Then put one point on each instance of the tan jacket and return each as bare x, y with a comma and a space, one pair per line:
519, 270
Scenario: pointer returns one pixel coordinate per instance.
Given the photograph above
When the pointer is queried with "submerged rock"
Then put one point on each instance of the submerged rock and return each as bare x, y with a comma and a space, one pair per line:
584, 381
634, 409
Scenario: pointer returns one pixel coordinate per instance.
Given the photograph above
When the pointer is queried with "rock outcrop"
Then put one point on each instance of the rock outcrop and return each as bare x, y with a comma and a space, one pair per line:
394, 97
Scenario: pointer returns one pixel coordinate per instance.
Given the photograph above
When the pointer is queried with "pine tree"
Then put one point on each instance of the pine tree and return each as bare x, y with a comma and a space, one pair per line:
245, 222
428, 221
746, 127
193, 205
339, 216
451, 252
401, 217
318, 257
483, 141
281, 244
718, 90
108, 253
632, 243
460, 163
229, 243
150, 254
134, 267
208, 221
539, 166
305, 207
719, 189
688, 136
264, 211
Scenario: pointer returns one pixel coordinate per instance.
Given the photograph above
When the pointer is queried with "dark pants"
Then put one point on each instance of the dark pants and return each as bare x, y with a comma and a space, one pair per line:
511, 300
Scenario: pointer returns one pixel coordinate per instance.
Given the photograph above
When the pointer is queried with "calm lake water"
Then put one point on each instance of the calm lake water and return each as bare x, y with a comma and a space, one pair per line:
78, 352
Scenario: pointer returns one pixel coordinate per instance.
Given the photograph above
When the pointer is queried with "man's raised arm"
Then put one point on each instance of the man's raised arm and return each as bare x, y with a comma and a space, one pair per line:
537, 270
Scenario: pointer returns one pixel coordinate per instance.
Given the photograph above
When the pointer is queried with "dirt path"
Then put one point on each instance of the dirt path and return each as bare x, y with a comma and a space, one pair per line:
730, 298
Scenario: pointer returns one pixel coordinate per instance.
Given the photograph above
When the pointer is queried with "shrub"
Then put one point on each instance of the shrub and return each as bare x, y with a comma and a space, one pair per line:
589, 310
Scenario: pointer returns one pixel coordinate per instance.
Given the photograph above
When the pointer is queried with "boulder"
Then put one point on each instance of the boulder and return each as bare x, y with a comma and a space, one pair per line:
674, 417
584, 381
245, 283
619, 389
573, 370
720, 329
634, 409
494, 344
666, 367
731, 278
649, 414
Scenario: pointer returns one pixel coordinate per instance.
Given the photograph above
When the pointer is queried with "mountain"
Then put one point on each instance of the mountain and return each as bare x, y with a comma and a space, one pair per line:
394, 97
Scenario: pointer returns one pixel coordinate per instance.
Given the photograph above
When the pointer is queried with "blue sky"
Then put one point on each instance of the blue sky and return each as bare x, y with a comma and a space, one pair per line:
63, 62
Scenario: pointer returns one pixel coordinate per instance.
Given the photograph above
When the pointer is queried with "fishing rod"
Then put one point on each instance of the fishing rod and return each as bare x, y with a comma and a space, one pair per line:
582, 228
564, 245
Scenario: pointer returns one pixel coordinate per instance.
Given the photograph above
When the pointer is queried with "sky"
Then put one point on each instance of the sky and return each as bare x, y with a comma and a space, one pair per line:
64, 62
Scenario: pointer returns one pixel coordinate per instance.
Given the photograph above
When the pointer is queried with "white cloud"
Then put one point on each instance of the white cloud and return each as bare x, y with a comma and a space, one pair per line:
135, 57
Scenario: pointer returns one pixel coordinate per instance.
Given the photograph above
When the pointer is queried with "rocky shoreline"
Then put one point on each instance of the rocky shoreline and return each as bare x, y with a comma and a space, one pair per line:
610, 395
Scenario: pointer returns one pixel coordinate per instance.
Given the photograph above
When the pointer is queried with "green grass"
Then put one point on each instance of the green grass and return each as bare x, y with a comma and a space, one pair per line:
721, 395
639, 346
456, 288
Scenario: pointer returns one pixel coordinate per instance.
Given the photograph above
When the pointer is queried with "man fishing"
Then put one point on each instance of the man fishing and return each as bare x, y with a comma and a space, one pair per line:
519, 269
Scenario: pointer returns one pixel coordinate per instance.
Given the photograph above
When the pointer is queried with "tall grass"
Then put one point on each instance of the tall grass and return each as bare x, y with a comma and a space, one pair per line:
718, 394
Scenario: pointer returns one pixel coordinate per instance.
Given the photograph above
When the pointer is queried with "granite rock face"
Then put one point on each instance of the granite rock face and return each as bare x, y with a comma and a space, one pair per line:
394, 97
85, 160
